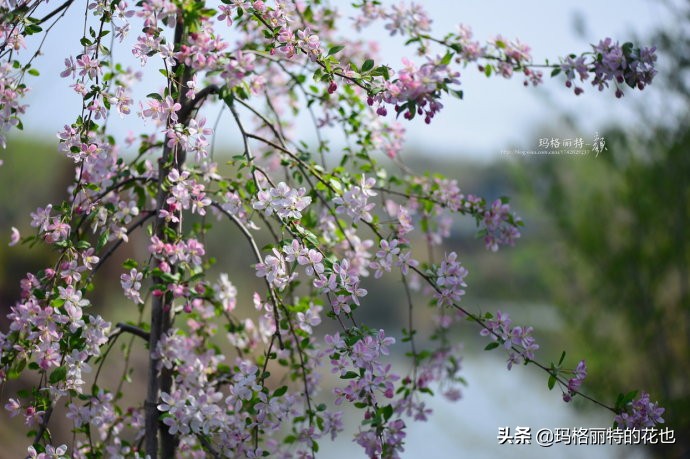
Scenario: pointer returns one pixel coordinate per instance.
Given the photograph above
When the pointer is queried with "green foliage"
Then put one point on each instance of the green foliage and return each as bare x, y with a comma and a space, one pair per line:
622, 271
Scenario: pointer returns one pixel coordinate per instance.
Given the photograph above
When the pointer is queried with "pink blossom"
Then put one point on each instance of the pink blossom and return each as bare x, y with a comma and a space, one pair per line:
641, 413
14, 239
88, 67
282, 200
131, 284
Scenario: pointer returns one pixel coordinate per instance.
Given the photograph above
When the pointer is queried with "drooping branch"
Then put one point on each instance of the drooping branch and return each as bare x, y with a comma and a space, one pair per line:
257, 254
136, 331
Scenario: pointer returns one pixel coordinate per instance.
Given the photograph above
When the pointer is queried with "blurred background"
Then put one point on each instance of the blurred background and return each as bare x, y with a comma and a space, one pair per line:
601, 270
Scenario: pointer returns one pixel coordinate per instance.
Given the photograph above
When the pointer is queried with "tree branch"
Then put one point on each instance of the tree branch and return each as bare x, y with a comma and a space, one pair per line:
136, 331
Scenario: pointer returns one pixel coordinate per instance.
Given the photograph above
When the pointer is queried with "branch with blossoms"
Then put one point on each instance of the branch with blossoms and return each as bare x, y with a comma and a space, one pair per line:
317, 233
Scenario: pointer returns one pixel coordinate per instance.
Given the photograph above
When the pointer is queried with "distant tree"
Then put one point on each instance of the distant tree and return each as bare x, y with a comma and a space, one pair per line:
624, 223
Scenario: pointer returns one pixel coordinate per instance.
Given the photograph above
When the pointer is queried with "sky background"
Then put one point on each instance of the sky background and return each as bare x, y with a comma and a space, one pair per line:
495, 114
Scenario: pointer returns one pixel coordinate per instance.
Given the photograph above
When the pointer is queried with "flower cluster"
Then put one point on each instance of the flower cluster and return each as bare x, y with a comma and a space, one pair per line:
305, 40
229, 418
384, 257
190, 138
354, 202
388, 137
226, 293
442, 367
203, 50
499, 226
274, 269
641, 413
131, 284
39, 325
285, 202
369, 383
311, 258
185, 193
344, 282
169, 254
470, 50
574, 383
612, 63
237, 70
11, 91
416, 90
517, 341
450, 280
511, 56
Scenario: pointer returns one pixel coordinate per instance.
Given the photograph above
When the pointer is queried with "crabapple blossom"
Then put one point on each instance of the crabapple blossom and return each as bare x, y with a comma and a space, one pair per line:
354, 202
227, 293
640, 413
131, 284
574, 383
14, 238
284, 201
274, 269
222, 381
450, 280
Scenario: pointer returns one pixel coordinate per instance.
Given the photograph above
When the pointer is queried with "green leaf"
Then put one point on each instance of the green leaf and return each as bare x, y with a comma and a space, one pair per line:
446, 59
387, 412
456, 93
155, 95
627, 48
32, 29
130, 263
368, 65
16, 369
170, 278
102, 240
335, 49
552, 382
492, 345
280, 391
58, 374
555, 71
383, 71
83, 245
560, 361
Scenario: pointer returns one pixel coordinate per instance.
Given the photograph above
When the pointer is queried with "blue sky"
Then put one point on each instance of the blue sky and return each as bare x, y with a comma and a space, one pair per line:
496, 114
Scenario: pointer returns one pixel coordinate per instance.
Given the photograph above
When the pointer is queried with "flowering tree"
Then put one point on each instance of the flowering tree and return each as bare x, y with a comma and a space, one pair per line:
316, 231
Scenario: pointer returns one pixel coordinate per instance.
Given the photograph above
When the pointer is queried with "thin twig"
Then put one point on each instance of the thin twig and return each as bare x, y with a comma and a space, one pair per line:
117, 244
257, 254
